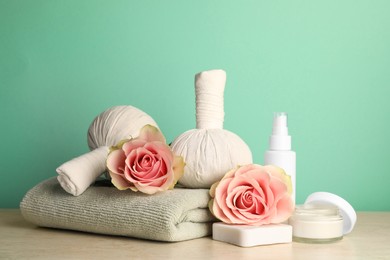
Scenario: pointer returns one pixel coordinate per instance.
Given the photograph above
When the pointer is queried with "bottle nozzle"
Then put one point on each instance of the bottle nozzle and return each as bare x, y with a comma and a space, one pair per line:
280, 140
280, 124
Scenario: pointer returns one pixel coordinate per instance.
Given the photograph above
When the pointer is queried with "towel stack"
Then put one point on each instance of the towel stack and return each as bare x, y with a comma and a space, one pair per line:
174, 215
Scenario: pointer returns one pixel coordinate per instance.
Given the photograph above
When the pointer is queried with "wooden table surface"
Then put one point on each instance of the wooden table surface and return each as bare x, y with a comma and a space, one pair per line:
21, 240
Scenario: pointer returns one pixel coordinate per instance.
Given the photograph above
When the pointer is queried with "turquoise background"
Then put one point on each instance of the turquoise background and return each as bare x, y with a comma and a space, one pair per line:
326, 63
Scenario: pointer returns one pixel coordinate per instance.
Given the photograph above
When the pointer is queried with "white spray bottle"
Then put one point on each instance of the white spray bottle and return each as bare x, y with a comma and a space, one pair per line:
280, 153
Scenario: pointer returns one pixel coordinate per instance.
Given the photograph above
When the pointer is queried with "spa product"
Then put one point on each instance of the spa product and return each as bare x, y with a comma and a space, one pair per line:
324, 218
316, 223
346, 210
280, 153
209, 151
248, 236
107, 129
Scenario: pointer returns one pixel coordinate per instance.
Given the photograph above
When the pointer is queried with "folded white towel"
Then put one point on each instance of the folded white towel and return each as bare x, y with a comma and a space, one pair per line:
173, 215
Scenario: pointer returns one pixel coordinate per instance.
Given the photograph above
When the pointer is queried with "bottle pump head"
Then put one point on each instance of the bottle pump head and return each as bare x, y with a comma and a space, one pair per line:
280, 140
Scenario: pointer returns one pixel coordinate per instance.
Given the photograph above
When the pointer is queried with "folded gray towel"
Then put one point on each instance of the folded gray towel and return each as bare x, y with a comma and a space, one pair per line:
174, 215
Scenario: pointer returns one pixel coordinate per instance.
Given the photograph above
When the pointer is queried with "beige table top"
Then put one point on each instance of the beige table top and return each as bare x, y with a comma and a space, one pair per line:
21, 240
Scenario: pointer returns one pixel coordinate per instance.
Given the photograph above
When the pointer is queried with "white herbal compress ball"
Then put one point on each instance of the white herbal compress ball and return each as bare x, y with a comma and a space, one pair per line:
209, 151
107, 129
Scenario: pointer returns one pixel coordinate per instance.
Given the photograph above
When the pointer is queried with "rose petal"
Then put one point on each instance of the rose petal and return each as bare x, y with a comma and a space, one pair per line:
278, 187
213, 188
158, 181
162, 150
220, 208
237, 211
132, 145
133, 188
245, 169
220, 192
151, 133
284, 206
219, 213
119, 182
221, 199
178, 170
133, 170
144, 162
244, 200
279, 173
157, 171
147, 175
259, 180
119, 145
148, 189
116, 161
128, 175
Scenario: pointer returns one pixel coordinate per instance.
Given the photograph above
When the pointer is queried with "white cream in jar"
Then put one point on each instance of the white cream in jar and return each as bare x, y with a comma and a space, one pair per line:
317, 223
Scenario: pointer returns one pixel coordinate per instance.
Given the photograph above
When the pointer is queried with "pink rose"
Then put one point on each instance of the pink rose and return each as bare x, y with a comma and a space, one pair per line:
145, 163
252, 194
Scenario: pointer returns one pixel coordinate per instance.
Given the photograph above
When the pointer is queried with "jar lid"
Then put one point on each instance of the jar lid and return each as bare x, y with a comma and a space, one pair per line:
346, 210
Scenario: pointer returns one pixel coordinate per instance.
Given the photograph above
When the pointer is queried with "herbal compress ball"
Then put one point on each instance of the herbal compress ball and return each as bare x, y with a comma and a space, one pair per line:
209, 151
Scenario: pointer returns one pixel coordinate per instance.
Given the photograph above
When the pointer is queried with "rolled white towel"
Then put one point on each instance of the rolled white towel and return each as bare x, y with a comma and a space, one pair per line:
76, 175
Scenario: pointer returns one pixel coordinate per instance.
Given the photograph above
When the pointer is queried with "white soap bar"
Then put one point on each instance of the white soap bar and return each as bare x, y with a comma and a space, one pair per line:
247, 236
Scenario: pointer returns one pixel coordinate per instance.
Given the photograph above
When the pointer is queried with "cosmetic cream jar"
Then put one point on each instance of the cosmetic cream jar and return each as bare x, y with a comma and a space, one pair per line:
316, 223
323, 218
